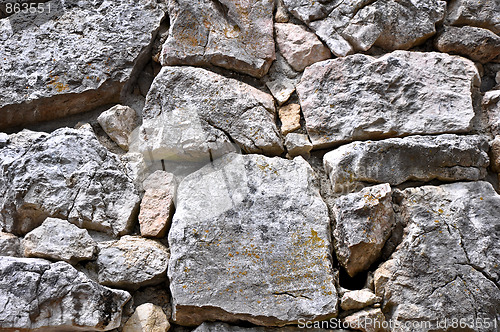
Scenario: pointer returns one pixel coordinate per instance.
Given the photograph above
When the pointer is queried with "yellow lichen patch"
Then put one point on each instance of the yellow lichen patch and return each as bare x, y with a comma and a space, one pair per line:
57, 85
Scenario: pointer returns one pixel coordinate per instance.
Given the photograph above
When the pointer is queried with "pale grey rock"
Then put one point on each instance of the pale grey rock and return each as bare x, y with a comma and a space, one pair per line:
290, 118
36, 294
360, 97
223, 327
147, 318
415, 158
4, 139
224, 33
475, 43
368, 320
447, 263
281, 15
250, 241
77, 56
298, 46
363, 223
119, 122
298, 145
346, 26
132, 262
158, 295
358, 299
491, 106
67, 174
10, 245
482, 14
494, 154
193, 114
57, 239
281, 80
497, 78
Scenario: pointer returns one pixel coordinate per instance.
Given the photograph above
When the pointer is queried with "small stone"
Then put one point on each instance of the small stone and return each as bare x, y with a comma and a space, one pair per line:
497, 78
290, 118
147, 318
491, 105
157, 205
119, 122
298, 145
158, 295
281, 15
369, 320
281, 80
132, 262
358, 299
482, 14
4, 139
57, 239
495, 154
10, 245
300, 47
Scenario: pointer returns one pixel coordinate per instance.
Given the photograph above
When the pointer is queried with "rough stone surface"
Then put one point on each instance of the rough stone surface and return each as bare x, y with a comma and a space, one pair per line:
76, 56
67, 174
495, 154
157, 205
4, 139
415, 158
57, 239
298, 145
55, 296
119, 122
147, 318
249, 241
194, 114
346, 26
300, 47
363, 222
281, 15
132, 262
358, 299
447, 264
369, 320
491, 105
10, 245
281, 80
225, 33
289, 117
360, 97
476, 13
475, 43
223, 327
158, 295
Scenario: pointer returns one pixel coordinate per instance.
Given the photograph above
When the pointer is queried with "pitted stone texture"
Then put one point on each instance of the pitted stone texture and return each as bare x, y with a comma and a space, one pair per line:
289, 117
67, 174
223, 327
482, 14
226, 33
250, 241
415, 158
358, 299
495, 154
298, 145
37, 294
132, 262
491, 105
363, 222
360, 97
194, 114
346, 26
447, 264
300, 47
76, 56
57, 239
119, 122
10, 245
147, 318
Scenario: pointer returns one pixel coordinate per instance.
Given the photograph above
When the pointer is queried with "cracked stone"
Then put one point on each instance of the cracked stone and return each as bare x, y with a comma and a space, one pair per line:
281, 80
119, 122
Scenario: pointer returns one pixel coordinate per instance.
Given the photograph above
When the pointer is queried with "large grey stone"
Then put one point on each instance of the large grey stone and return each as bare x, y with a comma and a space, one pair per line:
226, 33
67, 174
194, 114
447, 264
415, 158
360, 97
482, 14
73, 57
37, 294
250, 241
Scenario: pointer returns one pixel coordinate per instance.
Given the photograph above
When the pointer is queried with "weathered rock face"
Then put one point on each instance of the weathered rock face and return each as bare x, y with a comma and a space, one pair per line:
132, 262
59, 240
346, 26
249, 241
358, 299
222, 33
298, 145
147, 318
491, 105
368, 320
55, 295
119, 122
81, 55
194, 114
360, 97
10, 245
223, 327
494, 154
281, 80
66, 174
447, 264
363, 222
482, 14
289, 117
414, 158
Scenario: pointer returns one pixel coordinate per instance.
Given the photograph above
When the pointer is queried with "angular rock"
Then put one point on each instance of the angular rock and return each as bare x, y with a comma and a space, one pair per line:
81, 55
249, 241
132, 262
225, 33
369, 320
281, 80
10, 245
475, 43
358, 299
289, 117
281, 15
491, 105
346, 26
363, 222
67, 174
57, 239
415, 158
495, 154
157, 205
147, 318
300, 47
298, 145
119, 122
447, 263
194, 114
158, 295
55, 296
482, 14
360, 97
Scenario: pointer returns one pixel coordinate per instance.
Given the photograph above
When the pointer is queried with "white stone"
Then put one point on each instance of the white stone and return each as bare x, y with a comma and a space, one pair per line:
119, 122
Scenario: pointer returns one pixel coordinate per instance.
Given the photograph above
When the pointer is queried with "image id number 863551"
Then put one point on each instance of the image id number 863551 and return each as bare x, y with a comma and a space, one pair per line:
26, 7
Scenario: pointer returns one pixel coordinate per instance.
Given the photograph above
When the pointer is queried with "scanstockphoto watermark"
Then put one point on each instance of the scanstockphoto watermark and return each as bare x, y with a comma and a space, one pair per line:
368, 323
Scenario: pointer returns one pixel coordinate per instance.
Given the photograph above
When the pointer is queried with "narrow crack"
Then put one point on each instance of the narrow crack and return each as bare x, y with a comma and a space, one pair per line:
292, 295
